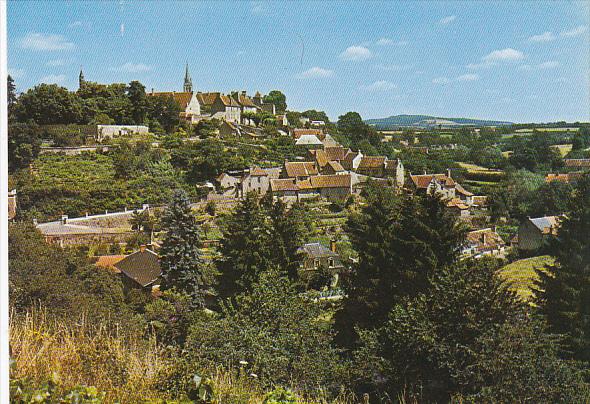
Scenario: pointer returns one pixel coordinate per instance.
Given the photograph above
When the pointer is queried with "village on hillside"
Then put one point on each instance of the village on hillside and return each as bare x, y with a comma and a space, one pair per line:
206, 219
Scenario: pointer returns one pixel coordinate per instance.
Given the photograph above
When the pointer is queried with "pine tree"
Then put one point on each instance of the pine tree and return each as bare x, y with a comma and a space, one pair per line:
11, 88
468, 336
401, 241
288, 230
245, 247
564, 293
180, 258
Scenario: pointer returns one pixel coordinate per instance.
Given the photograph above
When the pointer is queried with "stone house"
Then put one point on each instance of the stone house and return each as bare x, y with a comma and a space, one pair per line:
227, 182
533, 233
373, 166
299, 170
309, 142
285, 189
332, 187
257, 180
140, 269
190, 105
583, 164
320, 262
104, 132
351, 160
484, 242
458, 208
441, 184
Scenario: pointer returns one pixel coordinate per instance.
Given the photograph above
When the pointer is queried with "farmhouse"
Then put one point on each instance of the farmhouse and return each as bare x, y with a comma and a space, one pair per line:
140, 269
104, 132
300, 170
318, 258
484, 242
534, 232
441, 184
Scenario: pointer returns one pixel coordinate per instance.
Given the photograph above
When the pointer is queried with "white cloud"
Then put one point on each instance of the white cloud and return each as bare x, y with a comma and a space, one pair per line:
45, 42
356, 54
441, 80
468, 77
575, 31
16, 73
131, 68
53, 79
447, 20
464, 77
55, 62
544, 37
380, 85
390, 42
503, 55
315, 73
551, 64
257, 7
392, 68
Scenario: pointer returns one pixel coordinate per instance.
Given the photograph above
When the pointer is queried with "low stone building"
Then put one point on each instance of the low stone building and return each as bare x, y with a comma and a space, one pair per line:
104, 132
319, 261
140, 269
484, 242
533, 233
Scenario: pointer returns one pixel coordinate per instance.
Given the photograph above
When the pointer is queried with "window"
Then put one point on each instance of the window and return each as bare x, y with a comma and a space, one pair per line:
330, 262
316, 263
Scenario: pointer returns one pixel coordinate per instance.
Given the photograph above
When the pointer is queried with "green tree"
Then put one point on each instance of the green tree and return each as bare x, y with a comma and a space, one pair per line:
165, 110
273, 332
180, 257
401, 241
11, 94
352, 126
244, 247
288, 229
49, 104
467, 336
207, 128
24, 144
138, 100
564, 292
277, 98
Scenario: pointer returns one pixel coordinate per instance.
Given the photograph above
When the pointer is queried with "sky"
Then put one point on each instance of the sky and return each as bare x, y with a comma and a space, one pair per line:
521, 61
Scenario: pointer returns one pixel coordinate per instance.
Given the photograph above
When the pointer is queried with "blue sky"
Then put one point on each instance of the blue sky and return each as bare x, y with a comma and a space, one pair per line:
520, 61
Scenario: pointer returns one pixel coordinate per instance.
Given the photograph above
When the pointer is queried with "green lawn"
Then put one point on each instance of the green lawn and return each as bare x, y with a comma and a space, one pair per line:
521, 274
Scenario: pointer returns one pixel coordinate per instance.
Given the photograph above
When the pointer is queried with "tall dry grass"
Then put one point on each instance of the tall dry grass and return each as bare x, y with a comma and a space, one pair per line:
84, 353
129, 369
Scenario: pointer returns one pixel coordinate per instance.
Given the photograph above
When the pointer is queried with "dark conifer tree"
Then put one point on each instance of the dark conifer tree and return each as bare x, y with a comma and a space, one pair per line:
288, 231
401, 242
564, 293
245, 247
180, 256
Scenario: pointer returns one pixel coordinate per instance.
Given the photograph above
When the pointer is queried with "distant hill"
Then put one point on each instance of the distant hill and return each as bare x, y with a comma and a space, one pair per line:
427, 121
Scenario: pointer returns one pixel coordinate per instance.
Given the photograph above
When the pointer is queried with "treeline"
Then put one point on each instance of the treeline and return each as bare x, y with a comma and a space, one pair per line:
415, 322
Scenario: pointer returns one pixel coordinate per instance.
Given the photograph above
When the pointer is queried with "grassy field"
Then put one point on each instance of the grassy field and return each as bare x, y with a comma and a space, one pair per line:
563, 149
521, 275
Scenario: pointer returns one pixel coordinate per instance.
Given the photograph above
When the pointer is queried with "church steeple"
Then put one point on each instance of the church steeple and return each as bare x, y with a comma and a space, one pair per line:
188, 83
81, 80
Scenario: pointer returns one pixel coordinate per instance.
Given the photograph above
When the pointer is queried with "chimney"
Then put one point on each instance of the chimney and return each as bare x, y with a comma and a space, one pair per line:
152, 90
243, 93
449, 172
142, 248
333, 245
64, 219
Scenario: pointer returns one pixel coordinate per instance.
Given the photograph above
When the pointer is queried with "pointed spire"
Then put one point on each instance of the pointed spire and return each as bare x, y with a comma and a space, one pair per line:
81, 80
188, 83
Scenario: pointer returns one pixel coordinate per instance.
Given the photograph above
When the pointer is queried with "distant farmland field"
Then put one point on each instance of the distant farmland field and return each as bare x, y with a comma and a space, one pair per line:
521, 275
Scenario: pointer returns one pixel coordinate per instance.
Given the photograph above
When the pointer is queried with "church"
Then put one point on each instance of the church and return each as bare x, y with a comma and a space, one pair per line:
196, 106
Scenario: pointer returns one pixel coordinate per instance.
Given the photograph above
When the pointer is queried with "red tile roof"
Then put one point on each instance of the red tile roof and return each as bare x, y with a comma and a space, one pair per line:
577, 163
422, 181
372, 162
331, 181
300, 169
285, 184
297, 133
181, 98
